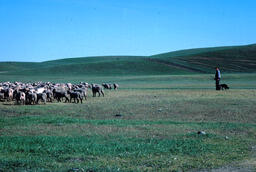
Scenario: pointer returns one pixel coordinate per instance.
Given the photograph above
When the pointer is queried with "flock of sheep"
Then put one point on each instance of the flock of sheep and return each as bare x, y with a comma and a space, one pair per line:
34, 93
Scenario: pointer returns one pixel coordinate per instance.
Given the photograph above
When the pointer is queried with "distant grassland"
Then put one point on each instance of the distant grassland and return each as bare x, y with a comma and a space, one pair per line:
157, 130
234, 59
195, 81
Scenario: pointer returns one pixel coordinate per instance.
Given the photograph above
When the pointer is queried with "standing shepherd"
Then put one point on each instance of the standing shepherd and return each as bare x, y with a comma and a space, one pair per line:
217, 78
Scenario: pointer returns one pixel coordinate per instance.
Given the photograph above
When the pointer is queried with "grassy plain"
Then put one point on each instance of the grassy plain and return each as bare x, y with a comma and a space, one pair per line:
157, 129
163, 103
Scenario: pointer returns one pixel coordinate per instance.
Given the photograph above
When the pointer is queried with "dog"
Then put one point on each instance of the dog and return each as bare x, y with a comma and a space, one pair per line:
224, 86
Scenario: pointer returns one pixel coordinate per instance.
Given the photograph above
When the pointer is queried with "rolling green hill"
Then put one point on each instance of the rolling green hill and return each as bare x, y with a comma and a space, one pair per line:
106, 66
229, 59
203, 60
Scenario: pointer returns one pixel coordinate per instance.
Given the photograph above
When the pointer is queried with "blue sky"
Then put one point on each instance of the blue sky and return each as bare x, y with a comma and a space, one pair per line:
40, 30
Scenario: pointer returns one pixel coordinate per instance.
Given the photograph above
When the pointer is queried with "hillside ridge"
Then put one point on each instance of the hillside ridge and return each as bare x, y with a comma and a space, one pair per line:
230, 59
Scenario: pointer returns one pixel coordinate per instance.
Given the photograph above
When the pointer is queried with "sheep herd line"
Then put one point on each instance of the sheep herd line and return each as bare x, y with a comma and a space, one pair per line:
42, 92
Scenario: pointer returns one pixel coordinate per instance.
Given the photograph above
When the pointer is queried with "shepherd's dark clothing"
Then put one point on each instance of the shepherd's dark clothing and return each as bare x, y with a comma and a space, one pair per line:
217, 79
217, 84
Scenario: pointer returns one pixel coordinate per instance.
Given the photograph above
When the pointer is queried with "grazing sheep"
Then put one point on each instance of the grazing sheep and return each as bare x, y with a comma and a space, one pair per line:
23, 98
10, 94
5, 92
1, 96
76, 96
107, 86
59, 95
39, 90
31, 98
15, 93
20, 97
69, 85
25, 90
42, 97
82, 91
49, 95
97, 89
33, 92
116, 86
86, 85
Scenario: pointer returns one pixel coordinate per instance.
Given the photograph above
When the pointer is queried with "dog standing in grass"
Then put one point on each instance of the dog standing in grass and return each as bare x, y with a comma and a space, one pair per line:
224, 86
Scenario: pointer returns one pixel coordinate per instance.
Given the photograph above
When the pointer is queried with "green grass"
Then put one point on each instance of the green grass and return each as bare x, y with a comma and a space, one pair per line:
101, 153
163, 101
240, 59
157, 131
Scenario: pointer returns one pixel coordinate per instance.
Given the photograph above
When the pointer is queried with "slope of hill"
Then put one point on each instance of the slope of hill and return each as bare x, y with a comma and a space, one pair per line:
16, 66
190, 52
229, 59
203, 60
106, 66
